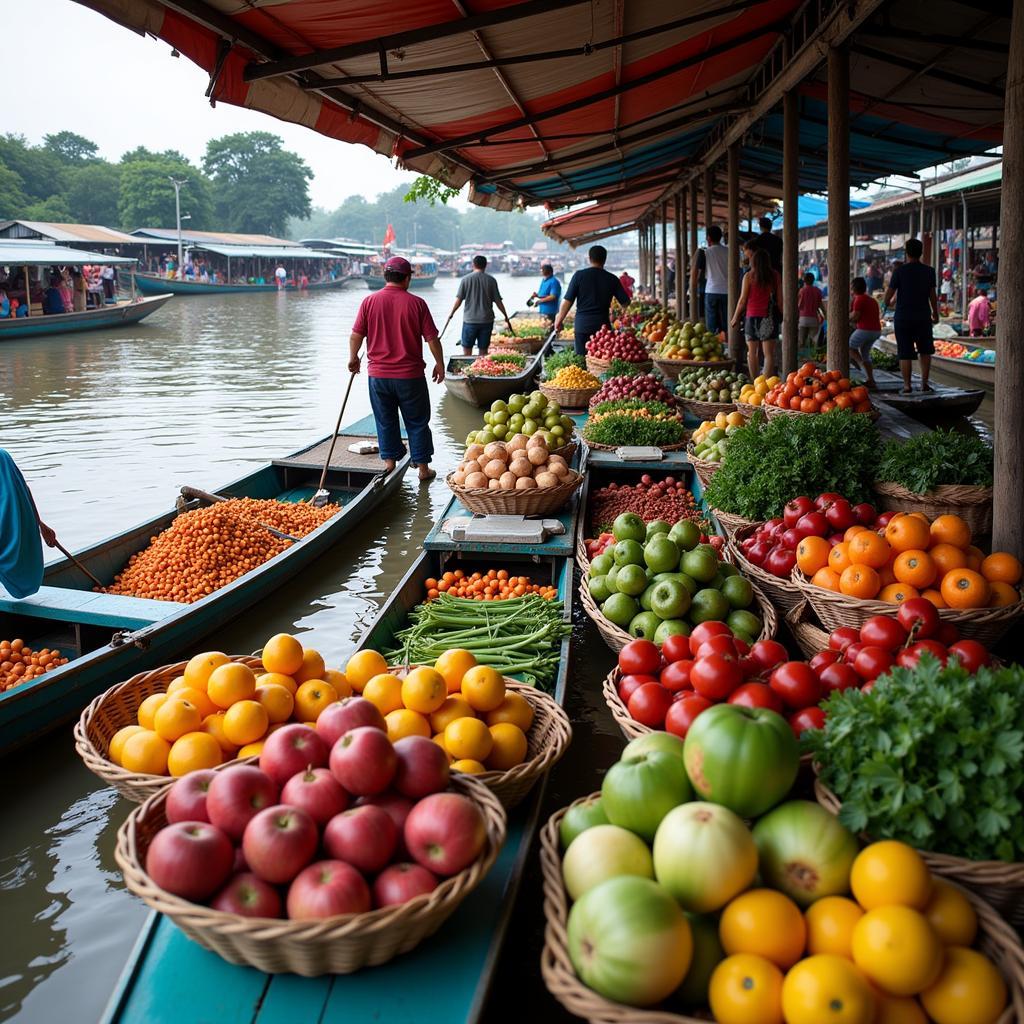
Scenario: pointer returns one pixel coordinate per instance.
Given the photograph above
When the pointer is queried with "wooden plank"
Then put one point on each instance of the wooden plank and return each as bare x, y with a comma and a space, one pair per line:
117, 611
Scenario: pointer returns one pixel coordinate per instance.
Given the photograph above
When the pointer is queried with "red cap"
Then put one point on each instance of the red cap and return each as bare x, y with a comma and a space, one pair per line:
398, 265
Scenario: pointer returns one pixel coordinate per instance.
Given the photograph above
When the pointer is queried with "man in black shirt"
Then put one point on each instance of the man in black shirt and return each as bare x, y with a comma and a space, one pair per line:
771, 244
917, 308
592, 290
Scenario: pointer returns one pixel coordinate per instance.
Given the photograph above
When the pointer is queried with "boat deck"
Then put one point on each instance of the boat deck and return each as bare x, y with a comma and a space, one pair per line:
88, 608
342, 459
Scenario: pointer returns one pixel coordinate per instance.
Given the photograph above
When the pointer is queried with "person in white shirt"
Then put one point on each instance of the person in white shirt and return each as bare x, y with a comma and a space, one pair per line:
107, 281
716, 273
281, 274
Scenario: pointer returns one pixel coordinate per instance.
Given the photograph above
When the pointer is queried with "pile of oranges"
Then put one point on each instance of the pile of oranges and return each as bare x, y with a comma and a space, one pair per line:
811, 389
463, 706
493, 585
207, 548
219, 709
913, 557
20, 664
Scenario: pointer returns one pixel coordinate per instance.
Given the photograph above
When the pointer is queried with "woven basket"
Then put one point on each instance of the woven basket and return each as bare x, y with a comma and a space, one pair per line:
705, 410
337, 945
534, 502
999, 883
809, 636
748, 410
671, 368
774, 410
730, 523
520, 344
599, 366
566, 451
663, 447
119, 707
986, 625
617, 638
782, 593
569, 398
995, 938
705, 470
972, 504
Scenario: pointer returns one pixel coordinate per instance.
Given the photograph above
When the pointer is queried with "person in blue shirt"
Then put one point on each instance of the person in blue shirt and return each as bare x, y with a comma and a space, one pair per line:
548, 292
21, 553
53, 301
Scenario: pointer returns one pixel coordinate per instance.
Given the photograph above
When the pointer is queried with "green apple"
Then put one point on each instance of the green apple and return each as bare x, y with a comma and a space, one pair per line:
628, 552
657, 526
701, 563
686, 534
620, 609
738, 591
742, 621
670, 627
661, 553
631, 579
629, 526
687, 581
709, 606
601, 564
644, 625
599, 589
670, 599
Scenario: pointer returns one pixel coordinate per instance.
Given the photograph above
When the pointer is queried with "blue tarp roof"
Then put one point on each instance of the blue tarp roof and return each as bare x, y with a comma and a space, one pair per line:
813, 209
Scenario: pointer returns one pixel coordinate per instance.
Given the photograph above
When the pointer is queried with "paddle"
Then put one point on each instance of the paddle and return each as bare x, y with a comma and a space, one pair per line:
446, 323
195, 492
57, 544
323, 496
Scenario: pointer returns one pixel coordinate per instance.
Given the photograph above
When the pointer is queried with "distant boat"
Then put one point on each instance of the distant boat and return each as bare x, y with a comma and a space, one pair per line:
424, 274
152, 284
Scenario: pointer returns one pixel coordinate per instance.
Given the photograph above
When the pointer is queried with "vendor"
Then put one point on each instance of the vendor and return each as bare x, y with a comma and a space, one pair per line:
548, 292
21, 553
592, 289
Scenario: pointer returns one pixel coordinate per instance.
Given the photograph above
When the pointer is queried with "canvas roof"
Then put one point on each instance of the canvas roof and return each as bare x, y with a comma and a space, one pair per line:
263, 252
92, 233
44, 254
216, 237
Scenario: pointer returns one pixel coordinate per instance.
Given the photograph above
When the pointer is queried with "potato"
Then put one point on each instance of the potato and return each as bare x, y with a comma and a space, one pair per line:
494, 469
507, 481
537, 442
472, 466
537, 456
547, 480
560, 469
525, 483
459, 476
476, 479
474, 451
521, 466
558, 458
517, 444
493, 485
495, 451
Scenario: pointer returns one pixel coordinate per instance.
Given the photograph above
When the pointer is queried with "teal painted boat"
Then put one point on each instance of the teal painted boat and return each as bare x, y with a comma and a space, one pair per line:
154, 284
110, 637
117, 314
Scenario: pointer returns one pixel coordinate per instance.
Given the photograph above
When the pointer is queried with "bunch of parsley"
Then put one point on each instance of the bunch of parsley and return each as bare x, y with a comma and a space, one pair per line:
932, 756
622, 368
922, 463
567, 357
622, 429
626, 404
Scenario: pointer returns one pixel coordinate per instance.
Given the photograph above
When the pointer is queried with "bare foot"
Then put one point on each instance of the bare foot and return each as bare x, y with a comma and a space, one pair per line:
389, 465
426, 474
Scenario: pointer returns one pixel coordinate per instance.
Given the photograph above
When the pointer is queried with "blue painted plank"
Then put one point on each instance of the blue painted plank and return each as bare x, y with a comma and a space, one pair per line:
117, 611
367, 426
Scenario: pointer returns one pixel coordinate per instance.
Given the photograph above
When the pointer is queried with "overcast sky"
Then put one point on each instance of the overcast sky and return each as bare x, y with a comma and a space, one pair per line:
67, 67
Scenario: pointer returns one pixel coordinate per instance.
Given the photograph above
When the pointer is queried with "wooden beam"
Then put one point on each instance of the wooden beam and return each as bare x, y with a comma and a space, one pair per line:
890, 32
941, 74
664, 255
790, 231
839, 209
695, 310
735, 335
681, 310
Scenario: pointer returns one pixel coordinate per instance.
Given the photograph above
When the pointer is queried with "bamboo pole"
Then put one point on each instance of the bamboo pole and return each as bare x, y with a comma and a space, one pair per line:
28, 295
838, 209
735, 334
681, 311
664, 254
790, 243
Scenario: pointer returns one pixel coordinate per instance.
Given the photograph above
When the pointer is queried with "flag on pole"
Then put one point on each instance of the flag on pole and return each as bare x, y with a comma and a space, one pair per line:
389, 236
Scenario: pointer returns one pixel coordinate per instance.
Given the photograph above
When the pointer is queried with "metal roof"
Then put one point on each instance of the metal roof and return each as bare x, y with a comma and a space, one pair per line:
216, 237
263, 252
46, 254
343, 245
973, 177
94, 233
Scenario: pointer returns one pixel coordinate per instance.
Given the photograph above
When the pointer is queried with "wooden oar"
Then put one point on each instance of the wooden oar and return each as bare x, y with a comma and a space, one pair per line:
195, 492
322, 495
65, 551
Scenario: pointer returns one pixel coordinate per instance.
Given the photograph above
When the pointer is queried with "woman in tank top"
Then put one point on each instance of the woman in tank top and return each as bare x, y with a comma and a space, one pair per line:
762, 288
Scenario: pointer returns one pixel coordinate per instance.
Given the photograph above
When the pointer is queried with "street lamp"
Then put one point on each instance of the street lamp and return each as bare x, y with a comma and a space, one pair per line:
177, 210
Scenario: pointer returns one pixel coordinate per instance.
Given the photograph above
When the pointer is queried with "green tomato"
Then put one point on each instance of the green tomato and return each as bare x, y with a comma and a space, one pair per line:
499, 406
488, 417
637, 792
499, 430
707, 955
529, 427
579, 817
501, 416
602, 852
665, 742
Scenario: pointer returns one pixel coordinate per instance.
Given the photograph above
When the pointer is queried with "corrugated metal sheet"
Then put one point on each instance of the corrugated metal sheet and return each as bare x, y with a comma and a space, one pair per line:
43, 254
215, 237
94, 234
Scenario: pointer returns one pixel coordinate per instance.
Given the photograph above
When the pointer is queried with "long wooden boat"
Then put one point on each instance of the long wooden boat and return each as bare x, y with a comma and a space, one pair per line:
152, 284
482, 391
941, 403
110, 637
965, 369
116, 314
424, 274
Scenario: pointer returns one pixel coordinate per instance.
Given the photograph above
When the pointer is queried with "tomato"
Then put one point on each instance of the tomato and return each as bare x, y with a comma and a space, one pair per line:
841, 638
896, 948
719, 644
675, 676
910, 656
827, 987
839, 676
683, 711
640, 657
716, 676
766, 923
851, 652
969, 988
796, 683
628, 684
821, 660
676, 648
972, 655
750, 668
890, 872
768, 653
705, 631
883, 631
756, 695
830, 924
919, 617
806, 718
871, 662
649, 703
951, 914
746, 989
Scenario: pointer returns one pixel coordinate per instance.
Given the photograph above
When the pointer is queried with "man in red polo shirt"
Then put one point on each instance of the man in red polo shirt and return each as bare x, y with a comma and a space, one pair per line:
395, 324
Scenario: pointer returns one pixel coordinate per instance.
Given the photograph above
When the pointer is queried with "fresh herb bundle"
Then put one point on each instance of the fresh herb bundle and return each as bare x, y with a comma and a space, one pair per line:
509, 357
772, 461
623, 429
622, 368
625, 404
882, 360
932, 756
560, 360
939, 457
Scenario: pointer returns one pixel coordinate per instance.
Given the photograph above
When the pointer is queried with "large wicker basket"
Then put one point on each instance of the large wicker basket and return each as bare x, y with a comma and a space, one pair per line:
705, 470
118, 707
747, 409
567, 450
774, 410
337, 945
731, 523
995, 938
783, 593
671, 368
662, 447
972, 504
599, 366
538, 501
705, 410
520, 343
806, 631
569, 398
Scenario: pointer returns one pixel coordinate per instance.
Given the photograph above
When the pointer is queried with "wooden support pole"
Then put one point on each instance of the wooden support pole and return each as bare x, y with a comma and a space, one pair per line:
838, 210
735, 334
641, 245
1008, 498
681, 312
709, 199
28, 295
790, 233
695, 310
664, 254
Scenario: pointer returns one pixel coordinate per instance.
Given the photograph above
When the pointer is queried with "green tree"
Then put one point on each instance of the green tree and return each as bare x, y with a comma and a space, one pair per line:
146, 195
258, 184
93, 193
12, 195
141, 153
41, 171
70, 147
53, 209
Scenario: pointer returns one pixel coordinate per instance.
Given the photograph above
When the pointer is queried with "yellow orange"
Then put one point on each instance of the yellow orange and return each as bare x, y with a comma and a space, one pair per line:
1002, 594
860, 581
468, 766
385, 691
195, 696
975, 556
282, 653
175, 717
403, 722
252, 749
483, 687
897, 1009
200, 667
312, 697
245, 722
179, 683
914, 567
438, 738
897, 593
277, 679
342, 687
907, 533
935, 596
453, 665
968, 989
362, 667
896, 948
765, 923
830, 924
868, 548
950, 529
965, 588
1001, 567
509, 747
468, 737
827, 578
214, 725
118, 740
946, 557
193, 751
145, 753
230, 683
149, 707
423, 690
839, 557
312, 666
453, 707
890, 872
277, 700
515, 708
951, 914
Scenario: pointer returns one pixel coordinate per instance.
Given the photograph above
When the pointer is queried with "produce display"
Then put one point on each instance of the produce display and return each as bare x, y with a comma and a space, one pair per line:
528, 414
755, 392
711, 439
560, 360
608, 343
811, 389
926, 461
644, 386
526, 327
622, 368
493, 585
496, 364
880, 359
637, 313
19, 663
703, 384
207, 548
522, 463
668, 500
692, 341
957, 350
659, 581
573, 377
655, 328
633, 421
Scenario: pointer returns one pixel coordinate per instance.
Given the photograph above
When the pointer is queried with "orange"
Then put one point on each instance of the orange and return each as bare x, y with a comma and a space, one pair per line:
1002, 594
193, 751
148, 708
453, 707
868, 548
746, 989
859, 581
812, 554
277, 700
118, 740
312, 697
362, 667
214, 725
245, 722
197, 671
826, 578
483, 687
385, 691
1001, 567
282, 653
968, 990
975, 556
277, 679
509, 747
468, 737
312, 666
839, 557
936, 598
179, 683
175, 717
468, 766
252, 749
195, 696
886, 575
827, 988
230, 683
951, 914
337, 679
915, 567
964, 588
403, 722
453, 665
830, 924
951, 529
898, 1009
889, 872
897, 593
515, 708
946, 557
853, 531
897, 949
907, 533
145, 753
424, 690
766, 923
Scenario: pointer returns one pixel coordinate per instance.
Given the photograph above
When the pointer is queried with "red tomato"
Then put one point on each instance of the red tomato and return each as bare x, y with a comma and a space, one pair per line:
719, 644
841, 638
756, 695
796, 684
972, 655
705, 631
629, 684
851, 652
919, 617
675, 676
807, 718
839, 676
716, 676
883, 631
676, 648
750, 668
649, 704
640, 657
910, 656
768, 654
871, 662
948, 633
821, 660
682, 713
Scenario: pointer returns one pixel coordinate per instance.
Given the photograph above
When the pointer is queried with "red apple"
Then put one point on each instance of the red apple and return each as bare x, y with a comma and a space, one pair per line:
279, 842
445, 832
397, 806
186, 799
814, 524
400, 883
795, 509
326, 889
791, 538
836, 538
248, 895
191, 859
865, 513
780, 562
365, 837
826, 499
364, 761
840, 515
317, 792
422, 767
336, 719
291, 749
237, 795
759, 551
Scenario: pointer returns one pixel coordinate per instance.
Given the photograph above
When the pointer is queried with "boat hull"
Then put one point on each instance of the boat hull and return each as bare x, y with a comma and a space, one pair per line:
150, 284
965, 369
416, 283
482, 391
118, 315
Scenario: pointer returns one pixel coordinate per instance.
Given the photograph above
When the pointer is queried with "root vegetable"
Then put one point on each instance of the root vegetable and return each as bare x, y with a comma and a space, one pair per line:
547, 480
476, 480
474, 451
494, 469
521, 467
517, 444
472, 466
525, 483
507, 481
537, 456
495, 451
459, 476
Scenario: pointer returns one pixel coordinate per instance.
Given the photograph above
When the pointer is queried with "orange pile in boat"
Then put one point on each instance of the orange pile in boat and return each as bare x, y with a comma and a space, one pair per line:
20, 664
207, 548
493, 585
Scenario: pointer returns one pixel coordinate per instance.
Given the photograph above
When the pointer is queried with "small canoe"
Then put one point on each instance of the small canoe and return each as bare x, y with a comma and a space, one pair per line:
965, 369
153, 284
110, 636
117, 314
482, 391
941, 403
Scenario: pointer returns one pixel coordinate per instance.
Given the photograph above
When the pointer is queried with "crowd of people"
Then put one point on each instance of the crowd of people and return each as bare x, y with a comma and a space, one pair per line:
57, 289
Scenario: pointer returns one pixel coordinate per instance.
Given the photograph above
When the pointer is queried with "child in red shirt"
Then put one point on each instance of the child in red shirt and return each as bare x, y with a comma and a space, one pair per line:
866, 322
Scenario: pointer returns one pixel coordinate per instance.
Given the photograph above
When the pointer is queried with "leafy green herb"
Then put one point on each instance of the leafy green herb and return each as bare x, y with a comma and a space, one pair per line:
932, 756
510, 358
938, 457
620, 429
772, 461
560, 360
883, 360
625, 404
622, 368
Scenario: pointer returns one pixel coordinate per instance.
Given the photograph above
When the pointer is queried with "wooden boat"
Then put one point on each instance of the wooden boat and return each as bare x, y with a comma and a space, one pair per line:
943, 402
481, 391
151, 284
424, 274
965, 369
110, 637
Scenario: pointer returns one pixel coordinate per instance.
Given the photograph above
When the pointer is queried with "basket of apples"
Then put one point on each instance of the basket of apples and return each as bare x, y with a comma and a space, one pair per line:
338, 850
607, 344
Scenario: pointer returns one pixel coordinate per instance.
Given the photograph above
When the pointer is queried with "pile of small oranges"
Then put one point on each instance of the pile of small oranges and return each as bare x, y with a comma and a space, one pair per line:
463, 706
493, 585
20, 664
207, 548
219, 709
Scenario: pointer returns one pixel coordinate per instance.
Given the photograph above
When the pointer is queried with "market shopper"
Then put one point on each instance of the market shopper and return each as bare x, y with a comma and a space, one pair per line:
716, 271
21, 554
627, 282
979, 313
866, 321
548, 292
810, 311
395, 324
760, 299
592, 289
479, 291
917, 307
770, 242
